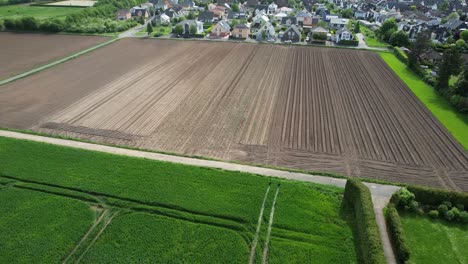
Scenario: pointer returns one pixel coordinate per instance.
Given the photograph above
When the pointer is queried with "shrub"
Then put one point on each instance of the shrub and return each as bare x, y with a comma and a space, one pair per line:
460, 207
455, 212
434, 197
442, 209
357, 198
433, 214
448, 204
349, 42
396, 234
449, 215
464, 217
401, 55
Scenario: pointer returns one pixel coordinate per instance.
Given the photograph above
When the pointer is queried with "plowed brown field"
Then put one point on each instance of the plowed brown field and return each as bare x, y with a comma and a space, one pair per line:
21, 52
309, 108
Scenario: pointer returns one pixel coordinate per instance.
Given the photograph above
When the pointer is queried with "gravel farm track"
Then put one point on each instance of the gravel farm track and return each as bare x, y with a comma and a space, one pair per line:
319, 109
24, 51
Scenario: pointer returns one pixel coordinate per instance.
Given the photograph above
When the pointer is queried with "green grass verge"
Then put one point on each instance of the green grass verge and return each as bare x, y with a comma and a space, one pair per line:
370, 38
435, 241
207, 201
39, 228
456, 123
39, 12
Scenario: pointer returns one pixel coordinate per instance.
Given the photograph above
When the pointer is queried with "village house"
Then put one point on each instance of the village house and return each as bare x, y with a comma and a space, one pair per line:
338, 23
292, 34
186, 24
220, 30
343, 34
241, 31
123, 14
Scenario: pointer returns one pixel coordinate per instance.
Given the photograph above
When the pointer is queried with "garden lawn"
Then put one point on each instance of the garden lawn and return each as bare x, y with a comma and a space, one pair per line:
435, 241
456, 123
39, 12
39, 228
370, 38
136, 237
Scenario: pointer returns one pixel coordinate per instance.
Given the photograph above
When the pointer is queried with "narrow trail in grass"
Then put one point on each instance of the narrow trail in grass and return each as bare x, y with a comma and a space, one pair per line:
270, 224
97, 235
90, 230
259, 224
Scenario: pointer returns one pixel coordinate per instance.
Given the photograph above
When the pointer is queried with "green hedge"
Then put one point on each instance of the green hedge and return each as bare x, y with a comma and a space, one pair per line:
434, 197
396, 233
349, 42
357, 198
401, 55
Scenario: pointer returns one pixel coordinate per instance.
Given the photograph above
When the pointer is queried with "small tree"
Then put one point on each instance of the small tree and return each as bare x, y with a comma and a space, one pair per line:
464, 35
387, 29
235, 7
461, 87
450, 65
193, 30
149, 28
460, 43
264, 34
357, 28
234, 22
399, 38
191, 15
178, 29
347, 13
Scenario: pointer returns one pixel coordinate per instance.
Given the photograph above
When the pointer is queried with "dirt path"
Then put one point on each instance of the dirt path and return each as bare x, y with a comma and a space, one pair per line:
380, 193
257, 231
270, 225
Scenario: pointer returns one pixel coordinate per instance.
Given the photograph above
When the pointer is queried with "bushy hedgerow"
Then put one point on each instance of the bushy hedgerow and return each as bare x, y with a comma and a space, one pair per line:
433, 202
401, 55
357, 198
349, 42
396, 233
435, 197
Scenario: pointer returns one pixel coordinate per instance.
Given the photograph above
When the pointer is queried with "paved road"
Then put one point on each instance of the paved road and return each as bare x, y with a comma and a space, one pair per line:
380, 193
363, 45
131, 32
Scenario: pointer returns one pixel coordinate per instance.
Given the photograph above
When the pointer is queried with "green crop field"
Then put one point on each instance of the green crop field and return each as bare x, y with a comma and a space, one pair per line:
39, 12
193, 214
456, 123
435, 241
39, 228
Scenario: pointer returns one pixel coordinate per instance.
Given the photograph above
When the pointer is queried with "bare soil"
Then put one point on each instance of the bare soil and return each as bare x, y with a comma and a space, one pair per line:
317, 109
23, 51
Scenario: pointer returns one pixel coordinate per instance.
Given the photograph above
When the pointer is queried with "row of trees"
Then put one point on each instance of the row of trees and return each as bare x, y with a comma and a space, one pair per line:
389, 33
98, 19
450, 65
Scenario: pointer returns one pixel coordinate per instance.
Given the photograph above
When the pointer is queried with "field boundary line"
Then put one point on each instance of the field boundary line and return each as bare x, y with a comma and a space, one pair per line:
49, 65
270, 224
259, 224
90, 230
97, 236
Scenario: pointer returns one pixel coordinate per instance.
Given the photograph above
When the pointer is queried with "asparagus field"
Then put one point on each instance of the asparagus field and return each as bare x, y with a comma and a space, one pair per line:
317, 109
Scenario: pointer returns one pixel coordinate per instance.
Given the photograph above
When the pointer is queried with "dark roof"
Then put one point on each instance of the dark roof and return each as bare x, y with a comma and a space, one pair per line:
241, 26
236, 15
282, 3
252, 2
205, 16
453, 24
292, 19
169, 13
261, 7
